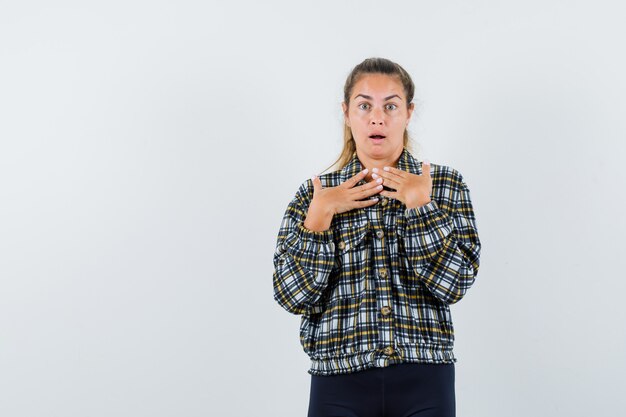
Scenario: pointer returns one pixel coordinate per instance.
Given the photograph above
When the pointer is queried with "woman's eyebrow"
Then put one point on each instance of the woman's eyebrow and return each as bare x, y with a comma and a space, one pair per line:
369, 98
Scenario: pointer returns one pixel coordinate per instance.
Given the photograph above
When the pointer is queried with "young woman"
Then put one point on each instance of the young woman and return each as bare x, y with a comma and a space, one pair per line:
372, 255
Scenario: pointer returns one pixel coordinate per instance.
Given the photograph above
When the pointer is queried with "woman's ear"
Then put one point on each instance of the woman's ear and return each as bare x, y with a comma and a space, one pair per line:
410, 110
344, 107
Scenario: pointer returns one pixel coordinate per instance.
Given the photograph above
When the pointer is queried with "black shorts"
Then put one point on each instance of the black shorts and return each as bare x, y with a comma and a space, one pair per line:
398, 390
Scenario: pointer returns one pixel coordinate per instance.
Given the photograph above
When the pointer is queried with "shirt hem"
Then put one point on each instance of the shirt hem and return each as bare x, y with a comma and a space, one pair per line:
353, 362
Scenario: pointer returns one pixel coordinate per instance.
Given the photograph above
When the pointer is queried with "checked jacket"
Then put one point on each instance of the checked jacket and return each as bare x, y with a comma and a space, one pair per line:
375, 288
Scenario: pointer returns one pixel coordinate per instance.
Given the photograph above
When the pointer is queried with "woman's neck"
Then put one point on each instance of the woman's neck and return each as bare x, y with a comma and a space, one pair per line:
377, 163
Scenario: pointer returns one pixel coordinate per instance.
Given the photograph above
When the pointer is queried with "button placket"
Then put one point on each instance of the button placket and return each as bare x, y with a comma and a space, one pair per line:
353, 258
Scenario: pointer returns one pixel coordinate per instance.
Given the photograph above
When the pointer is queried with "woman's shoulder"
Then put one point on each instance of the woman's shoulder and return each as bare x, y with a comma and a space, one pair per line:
330, 179
304, 194
445, 173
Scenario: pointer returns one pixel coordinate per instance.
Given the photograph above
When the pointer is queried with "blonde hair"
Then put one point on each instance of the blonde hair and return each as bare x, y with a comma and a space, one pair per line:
372, 66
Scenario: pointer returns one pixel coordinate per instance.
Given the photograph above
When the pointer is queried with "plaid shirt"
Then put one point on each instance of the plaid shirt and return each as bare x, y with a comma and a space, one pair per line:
375, 288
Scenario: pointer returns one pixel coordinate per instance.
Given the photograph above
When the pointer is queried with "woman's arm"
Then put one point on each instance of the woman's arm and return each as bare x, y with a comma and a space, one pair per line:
303, 258
443, 250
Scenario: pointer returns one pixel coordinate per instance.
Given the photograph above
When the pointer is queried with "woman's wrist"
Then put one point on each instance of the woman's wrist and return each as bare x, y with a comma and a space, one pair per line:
418, 204
318, 219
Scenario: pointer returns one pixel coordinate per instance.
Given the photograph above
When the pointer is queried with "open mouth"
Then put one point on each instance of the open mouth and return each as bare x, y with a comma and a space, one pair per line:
377, 137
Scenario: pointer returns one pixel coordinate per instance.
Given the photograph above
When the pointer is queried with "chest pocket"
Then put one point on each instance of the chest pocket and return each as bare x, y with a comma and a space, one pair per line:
352, 255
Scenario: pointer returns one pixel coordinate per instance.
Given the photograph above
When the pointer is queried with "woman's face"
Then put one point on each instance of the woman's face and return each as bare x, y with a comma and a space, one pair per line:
378, 107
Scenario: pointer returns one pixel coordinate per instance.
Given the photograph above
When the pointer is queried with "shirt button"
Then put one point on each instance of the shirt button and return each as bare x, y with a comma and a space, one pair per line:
341, 244
379, 234
388, 350
385, 201
383, 272
385, 310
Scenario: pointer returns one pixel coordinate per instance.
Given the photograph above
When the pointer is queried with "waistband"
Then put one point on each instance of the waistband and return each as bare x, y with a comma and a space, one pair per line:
352, 362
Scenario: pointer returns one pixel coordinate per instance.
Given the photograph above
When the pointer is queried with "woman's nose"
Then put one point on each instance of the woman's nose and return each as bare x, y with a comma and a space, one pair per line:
377, 118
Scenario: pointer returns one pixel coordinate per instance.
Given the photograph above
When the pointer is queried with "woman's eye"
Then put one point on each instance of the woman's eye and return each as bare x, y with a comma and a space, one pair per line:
363, 104
392, 106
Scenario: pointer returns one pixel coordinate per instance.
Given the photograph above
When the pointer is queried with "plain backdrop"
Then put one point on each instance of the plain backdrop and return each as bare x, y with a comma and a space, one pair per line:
149, 150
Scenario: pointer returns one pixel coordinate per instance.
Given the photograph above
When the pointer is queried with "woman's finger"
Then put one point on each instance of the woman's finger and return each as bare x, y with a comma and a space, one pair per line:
394, 171
351, 182
391, 182
317, 183
365, 203
426, 167
389, 194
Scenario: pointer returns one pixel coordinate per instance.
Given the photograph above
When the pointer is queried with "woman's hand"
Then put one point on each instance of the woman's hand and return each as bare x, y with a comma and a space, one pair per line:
412, 189
345, 196
329, 201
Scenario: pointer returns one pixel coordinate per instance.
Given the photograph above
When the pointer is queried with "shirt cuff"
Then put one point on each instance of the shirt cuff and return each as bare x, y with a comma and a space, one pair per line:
325, 236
